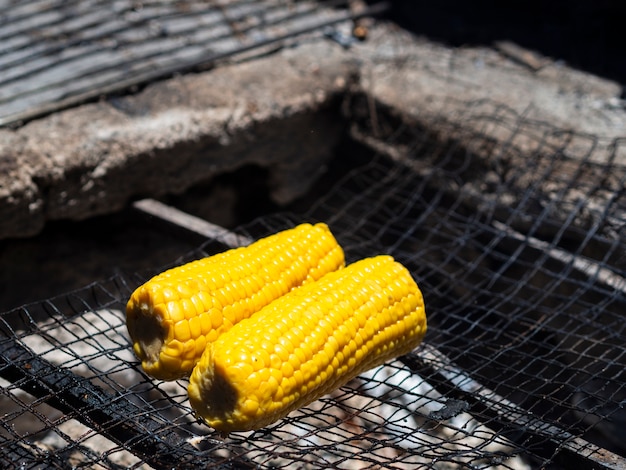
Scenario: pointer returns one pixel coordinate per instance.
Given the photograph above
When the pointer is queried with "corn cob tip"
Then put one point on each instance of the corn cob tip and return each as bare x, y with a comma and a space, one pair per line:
147, 331
211, 394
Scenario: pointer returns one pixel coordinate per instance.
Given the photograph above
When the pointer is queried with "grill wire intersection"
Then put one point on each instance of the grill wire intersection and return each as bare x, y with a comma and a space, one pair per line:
518, 246
522, 367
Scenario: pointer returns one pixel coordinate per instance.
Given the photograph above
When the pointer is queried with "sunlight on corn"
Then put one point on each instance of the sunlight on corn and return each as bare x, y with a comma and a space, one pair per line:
174, 316
307, 343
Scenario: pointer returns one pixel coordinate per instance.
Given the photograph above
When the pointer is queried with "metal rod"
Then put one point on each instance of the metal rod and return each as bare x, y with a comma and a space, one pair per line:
190, 223
574, 450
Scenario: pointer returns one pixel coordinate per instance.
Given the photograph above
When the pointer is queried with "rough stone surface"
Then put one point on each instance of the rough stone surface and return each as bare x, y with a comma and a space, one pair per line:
419, 76
500, 114
280, 111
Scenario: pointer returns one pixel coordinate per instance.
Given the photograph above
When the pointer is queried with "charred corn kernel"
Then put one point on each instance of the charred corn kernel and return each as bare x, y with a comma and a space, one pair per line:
173, 316
307, 343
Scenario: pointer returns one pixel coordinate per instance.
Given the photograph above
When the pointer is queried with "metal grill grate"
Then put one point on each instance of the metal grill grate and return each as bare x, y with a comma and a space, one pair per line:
56, 54
524, 275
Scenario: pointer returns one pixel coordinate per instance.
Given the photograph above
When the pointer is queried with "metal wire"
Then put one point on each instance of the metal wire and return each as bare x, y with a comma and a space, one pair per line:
519, 244
58, 54
523, 272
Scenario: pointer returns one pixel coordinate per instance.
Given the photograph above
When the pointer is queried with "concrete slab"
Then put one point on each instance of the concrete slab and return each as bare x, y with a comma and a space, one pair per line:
281, 111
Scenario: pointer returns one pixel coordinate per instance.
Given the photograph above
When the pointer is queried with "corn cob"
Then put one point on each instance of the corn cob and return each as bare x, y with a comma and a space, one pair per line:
173, 316
307, 343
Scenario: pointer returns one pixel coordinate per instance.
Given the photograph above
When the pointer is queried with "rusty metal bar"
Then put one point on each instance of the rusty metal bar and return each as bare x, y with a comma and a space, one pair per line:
178, 219
590, 268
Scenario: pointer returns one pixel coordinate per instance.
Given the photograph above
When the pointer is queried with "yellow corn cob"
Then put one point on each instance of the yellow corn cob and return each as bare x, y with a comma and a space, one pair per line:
173, 317
307, 343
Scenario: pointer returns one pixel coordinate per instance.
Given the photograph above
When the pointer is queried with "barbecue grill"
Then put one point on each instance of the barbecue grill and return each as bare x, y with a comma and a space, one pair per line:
513, 227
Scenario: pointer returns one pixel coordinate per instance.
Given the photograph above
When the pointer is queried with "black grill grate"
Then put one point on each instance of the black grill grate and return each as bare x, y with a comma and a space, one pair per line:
56, 54
515, 231
523, 270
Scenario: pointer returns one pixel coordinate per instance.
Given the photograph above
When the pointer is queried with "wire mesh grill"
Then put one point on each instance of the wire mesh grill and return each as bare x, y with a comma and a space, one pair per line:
56, 54
523, 271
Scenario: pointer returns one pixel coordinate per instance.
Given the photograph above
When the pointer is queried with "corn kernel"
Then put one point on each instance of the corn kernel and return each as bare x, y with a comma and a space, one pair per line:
313, 359
181, 331
222, 290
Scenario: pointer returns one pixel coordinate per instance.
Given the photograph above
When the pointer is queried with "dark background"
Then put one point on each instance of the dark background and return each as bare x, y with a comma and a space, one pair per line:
586, 35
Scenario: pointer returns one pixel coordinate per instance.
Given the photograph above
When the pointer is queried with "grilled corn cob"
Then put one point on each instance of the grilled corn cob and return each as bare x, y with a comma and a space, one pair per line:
173, 317
307, 343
